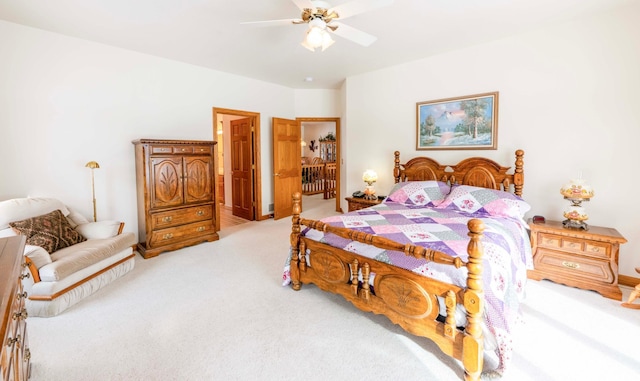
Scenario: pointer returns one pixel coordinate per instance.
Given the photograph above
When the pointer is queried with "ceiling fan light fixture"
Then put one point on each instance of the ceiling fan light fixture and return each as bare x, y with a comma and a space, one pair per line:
315, 36
326, 41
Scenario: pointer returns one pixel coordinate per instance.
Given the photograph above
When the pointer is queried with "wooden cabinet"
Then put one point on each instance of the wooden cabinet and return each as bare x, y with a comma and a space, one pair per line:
586, 259
176, 194
15, 355
328, 151
356, 203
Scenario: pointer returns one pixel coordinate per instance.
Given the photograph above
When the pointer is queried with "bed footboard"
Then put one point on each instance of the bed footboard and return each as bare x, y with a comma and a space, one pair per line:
406, 298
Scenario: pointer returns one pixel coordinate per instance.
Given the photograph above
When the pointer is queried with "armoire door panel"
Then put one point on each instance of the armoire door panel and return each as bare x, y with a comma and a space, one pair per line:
166, 183
198, 179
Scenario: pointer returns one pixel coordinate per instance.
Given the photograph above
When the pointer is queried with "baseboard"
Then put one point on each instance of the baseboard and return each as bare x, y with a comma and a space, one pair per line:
628, 280
265, 217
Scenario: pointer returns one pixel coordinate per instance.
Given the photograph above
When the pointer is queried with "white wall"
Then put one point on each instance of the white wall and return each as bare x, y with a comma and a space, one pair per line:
66, 101
317, 103
568, 96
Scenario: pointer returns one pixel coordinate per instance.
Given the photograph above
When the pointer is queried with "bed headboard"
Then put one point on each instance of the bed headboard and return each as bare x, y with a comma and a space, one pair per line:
476, 171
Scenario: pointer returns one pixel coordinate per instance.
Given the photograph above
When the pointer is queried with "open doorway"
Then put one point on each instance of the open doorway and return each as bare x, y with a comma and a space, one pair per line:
238, 175
321, 142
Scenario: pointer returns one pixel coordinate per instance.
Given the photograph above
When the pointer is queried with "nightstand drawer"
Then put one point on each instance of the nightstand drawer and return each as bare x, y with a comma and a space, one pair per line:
567, 265
600, 249
575, 245
356, 203
550, 240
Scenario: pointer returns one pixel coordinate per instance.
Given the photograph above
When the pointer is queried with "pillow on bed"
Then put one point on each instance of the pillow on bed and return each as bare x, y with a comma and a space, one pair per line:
423, 193
472, 199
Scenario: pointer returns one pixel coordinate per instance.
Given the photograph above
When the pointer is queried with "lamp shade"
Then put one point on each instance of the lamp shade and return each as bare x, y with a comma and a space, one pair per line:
370, 176
577, 188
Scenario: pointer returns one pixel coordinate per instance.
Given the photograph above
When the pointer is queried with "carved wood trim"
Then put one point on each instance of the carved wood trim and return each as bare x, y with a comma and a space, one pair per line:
476, 171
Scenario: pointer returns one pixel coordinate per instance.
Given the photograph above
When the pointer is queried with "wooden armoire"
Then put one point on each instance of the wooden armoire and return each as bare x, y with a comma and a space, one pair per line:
176, 194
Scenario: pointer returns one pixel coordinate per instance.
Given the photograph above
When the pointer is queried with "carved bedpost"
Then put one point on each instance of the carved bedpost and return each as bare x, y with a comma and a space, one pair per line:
472, 347
396, 166
295, 241
518, 175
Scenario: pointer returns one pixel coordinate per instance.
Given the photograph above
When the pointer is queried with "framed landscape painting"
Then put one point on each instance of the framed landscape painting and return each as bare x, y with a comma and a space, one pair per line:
469, 122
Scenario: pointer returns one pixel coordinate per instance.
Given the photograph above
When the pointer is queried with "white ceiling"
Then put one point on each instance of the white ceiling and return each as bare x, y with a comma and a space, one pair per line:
209, 32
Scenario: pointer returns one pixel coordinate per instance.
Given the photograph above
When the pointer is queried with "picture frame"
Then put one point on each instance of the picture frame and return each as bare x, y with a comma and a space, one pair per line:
467, 122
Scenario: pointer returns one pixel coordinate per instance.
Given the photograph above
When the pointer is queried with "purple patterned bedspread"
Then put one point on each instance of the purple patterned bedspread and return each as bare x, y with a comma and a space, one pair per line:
507, 254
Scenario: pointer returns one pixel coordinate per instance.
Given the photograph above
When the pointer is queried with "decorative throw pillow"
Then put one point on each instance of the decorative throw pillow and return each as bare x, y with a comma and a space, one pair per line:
423, 193
472, 199
50, 231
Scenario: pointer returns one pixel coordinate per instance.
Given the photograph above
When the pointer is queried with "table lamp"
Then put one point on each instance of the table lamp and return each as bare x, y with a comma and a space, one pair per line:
576, 191
370, 177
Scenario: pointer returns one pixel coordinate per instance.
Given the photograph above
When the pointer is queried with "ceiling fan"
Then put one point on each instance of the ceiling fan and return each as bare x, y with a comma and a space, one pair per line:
321, 18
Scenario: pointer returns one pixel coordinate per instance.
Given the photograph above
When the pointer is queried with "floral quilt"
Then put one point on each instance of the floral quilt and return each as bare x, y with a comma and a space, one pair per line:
507, 251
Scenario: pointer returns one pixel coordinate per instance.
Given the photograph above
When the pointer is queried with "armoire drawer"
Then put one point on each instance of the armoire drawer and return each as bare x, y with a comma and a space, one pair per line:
176, 234
176, 217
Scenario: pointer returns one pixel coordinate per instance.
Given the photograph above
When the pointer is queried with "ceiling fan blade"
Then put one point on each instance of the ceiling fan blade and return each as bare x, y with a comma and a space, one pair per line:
355, 7
353, 34
270, 22
302, 4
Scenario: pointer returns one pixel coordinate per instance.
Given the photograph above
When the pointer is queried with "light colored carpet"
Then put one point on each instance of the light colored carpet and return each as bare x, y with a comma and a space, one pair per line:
217, 311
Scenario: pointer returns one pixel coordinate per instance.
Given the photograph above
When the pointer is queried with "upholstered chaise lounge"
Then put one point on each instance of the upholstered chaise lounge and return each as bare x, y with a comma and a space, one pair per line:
68, 257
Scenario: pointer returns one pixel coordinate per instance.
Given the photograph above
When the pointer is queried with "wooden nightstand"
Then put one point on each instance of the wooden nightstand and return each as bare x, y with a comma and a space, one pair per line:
356, 203
586, 259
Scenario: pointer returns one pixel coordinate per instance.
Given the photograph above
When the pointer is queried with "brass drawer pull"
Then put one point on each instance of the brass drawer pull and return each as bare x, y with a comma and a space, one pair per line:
22, 296
167, 219
20, 315
200, 212
25, 276
200, 228
11, 341
571, 265
27, 355
167, 236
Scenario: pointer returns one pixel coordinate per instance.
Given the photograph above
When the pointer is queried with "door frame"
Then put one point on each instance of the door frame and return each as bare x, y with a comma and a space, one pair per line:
254, 117
338, 153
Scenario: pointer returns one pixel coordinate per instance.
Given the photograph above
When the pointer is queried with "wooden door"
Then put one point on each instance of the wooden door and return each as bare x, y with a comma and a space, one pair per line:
166, 182
198, 180
287, 165
241, 169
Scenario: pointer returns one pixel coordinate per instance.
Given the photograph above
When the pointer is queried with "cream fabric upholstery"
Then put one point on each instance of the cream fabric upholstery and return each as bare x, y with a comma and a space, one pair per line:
100, 229
71, 274
83, 255
54, 307
19, 209
38, 255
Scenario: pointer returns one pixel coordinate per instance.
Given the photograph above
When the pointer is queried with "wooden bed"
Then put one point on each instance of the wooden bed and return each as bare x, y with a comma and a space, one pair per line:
406, 298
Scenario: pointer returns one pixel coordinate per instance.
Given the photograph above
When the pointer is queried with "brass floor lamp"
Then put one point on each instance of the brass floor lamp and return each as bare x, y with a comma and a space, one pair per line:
93, 165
